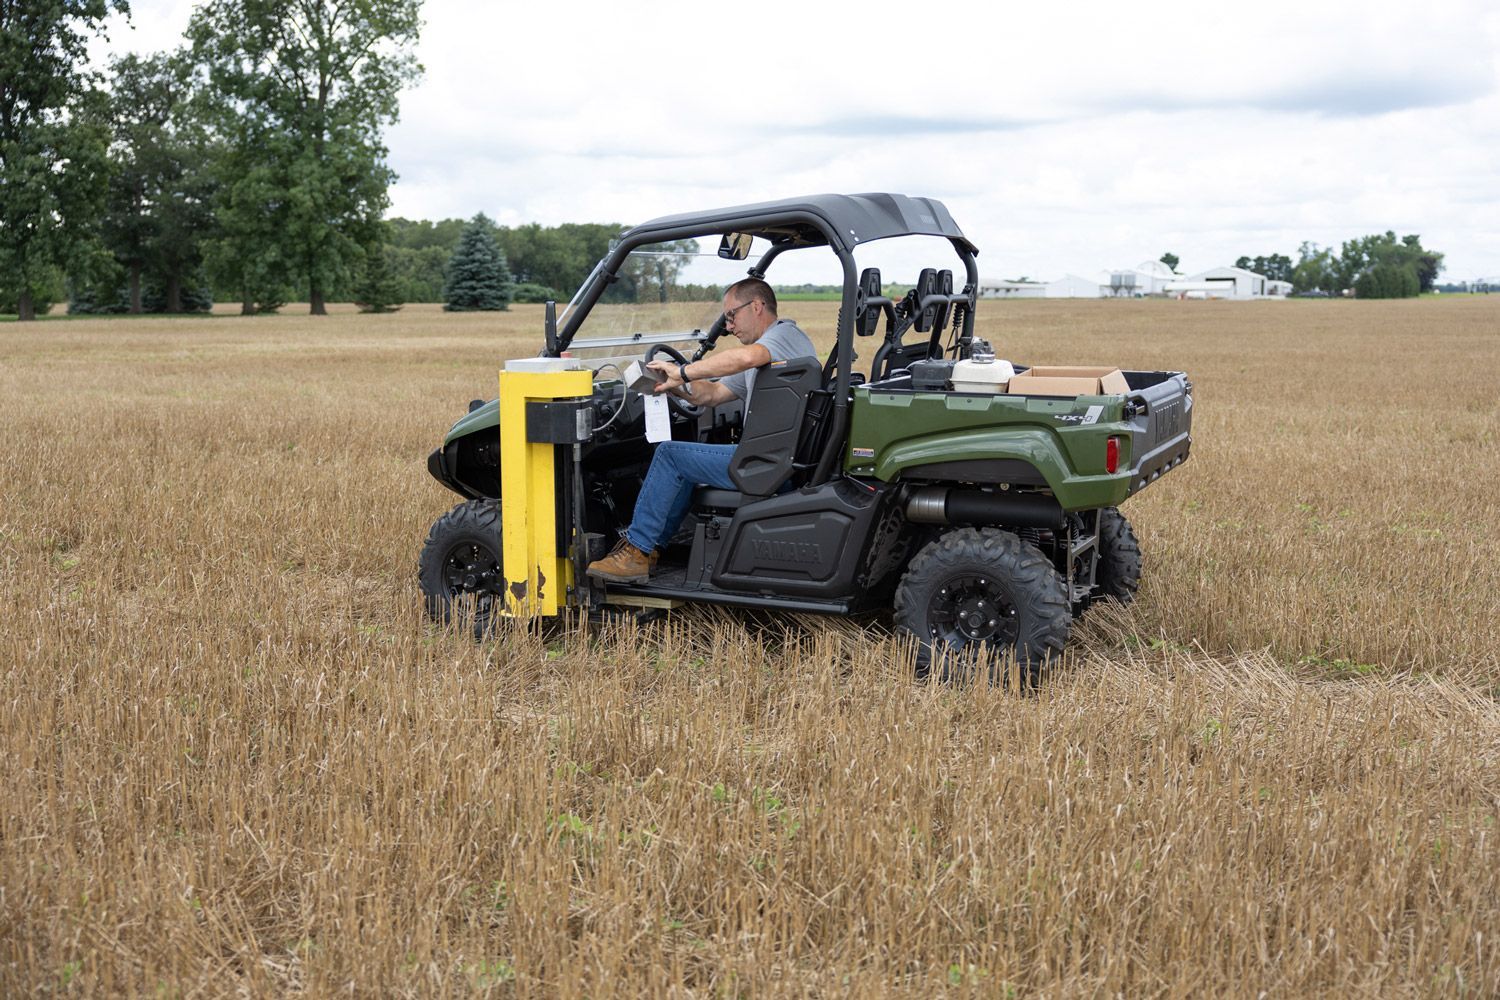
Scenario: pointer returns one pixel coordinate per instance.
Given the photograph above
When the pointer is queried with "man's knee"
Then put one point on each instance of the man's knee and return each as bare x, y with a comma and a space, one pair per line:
667, 453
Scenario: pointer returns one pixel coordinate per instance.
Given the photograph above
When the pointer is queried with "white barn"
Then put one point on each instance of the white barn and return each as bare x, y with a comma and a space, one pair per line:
1019, 289
1227, 283
1072, 286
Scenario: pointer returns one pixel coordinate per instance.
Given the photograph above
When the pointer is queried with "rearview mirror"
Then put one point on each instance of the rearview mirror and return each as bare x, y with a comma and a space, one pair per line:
735, 246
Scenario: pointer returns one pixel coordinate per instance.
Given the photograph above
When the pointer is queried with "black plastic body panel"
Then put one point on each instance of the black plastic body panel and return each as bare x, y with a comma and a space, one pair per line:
978, 470
810, 543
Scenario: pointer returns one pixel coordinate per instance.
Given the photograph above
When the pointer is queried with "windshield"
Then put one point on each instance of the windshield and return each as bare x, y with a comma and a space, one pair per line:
665, 293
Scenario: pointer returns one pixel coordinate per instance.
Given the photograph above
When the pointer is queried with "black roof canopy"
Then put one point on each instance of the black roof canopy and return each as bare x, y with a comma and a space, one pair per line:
806, 222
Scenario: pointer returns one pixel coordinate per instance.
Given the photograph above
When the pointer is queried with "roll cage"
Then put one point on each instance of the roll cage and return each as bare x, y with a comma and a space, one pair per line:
840, 222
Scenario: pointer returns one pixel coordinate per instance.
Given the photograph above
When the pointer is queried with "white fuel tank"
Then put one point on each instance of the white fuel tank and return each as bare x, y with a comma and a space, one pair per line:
981, 371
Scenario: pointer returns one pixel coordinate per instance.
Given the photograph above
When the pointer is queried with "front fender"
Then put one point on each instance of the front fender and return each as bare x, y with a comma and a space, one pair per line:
468, 462
483, 418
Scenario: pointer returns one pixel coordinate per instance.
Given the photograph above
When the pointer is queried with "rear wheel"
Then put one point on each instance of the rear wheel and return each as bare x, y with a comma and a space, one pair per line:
1118, 574
978, 591
459, 569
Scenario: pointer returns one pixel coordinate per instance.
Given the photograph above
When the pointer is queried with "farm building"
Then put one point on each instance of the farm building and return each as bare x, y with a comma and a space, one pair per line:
1072, 286
1149, 277
1019, 289
1227, 283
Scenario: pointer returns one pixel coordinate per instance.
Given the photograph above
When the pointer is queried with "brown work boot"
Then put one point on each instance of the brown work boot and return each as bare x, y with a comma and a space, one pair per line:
624, 564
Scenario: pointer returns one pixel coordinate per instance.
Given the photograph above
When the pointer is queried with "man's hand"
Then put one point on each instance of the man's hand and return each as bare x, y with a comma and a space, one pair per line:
669, 369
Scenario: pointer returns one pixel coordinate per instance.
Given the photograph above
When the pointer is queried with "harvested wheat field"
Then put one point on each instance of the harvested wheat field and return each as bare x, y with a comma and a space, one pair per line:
235, 760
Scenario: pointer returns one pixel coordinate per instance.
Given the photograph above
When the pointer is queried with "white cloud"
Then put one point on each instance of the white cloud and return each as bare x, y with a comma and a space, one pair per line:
1068, 138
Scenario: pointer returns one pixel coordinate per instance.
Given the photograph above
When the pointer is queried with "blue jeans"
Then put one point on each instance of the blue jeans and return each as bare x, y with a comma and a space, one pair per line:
676, 468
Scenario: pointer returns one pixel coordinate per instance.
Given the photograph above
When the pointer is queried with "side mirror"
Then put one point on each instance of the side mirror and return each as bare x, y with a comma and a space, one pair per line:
735, 246
549, 328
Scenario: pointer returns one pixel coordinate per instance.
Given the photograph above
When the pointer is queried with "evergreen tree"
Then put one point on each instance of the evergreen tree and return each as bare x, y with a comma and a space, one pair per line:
378, 289
478, 277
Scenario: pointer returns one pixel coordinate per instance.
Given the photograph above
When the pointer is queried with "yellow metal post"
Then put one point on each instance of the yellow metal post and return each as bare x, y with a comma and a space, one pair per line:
536, 574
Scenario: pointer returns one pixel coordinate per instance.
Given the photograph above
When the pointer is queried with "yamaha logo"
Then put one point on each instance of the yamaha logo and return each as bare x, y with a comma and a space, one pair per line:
787, 552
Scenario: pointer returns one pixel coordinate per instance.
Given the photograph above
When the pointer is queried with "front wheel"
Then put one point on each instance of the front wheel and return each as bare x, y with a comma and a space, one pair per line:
460, 562
982, 590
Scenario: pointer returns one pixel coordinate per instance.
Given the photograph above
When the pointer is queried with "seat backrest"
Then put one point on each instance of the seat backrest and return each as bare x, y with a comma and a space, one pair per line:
773, 423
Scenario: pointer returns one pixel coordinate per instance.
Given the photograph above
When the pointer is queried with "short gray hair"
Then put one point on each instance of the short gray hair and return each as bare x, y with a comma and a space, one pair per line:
754, 288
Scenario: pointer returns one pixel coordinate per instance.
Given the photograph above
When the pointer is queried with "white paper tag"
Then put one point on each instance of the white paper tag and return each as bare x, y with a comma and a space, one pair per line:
1091, 415
658, 420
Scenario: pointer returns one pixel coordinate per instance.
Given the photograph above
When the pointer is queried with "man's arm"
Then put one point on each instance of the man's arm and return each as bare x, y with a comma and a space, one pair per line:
716, 366
701, 393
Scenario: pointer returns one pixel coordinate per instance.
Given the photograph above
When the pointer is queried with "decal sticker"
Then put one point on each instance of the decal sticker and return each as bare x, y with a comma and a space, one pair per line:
1091, 415
862, 452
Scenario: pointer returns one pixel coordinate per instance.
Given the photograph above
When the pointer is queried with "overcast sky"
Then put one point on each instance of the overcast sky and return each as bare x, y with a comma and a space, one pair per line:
1063, 138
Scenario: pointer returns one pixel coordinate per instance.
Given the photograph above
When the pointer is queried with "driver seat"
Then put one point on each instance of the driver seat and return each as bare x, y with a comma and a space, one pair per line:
766, 456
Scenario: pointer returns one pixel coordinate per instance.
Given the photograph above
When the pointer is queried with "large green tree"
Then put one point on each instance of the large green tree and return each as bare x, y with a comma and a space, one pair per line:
1383, 266
158, 214
305, 88
52, 148
1314, 270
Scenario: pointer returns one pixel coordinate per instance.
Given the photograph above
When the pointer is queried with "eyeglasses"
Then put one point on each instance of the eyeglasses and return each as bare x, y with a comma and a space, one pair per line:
729, 313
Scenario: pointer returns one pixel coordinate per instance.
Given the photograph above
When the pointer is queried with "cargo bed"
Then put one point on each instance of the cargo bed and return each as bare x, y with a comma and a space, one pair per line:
1057, 443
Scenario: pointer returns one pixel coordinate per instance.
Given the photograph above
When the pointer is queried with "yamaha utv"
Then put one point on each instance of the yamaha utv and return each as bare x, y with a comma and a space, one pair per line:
984, 516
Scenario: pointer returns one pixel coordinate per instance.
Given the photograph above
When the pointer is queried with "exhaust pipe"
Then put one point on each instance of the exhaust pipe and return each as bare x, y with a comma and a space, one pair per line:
943, 505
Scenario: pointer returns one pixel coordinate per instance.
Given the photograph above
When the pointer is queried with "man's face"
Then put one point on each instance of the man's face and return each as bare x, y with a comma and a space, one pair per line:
747, 319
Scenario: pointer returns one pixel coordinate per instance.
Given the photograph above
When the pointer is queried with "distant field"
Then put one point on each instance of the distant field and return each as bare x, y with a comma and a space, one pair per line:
236, 760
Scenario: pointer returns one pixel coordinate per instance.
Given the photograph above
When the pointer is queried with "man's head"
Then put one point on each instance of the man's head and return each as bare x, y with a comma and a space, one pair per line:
749, 309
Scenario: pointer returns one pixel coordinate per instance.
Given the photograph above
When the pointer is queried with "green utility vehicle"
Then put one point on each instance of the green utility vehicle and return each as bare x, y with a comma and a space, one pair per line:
982, 519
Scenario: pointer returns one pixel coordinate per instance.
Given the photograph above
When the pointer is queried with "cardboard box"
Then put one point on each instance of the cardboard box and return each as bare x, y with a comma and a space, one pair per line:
1068, 380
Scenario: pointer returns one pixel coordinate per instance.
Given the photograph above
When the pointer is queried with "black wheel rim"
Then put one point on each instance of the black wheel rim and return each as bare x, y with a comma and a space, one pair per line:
472, 568
971, 611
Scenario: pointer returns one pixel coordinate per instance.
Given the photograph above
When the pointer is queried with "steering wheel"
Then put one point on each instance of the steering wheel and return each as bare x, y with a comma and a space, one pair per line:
682, 407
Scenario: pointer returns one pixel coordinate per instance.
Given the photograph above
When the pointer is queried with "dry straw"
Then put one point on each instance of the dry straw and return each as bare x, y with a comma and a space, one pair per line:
235, 760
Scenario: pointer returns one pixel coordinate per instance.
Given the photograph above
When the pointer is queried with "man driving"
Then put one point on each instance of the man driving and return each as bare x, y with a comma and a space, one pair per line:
678, 467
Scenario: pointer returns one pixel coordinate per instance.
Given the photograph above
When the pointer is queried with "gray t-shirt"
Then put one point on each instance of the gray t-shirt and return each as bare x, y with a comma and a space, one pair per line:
786, 341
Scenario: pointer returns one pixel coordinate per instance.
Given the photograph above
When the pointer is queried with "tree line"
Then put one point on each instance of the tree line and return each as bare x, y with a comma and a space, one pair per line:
1379, 266
540, 262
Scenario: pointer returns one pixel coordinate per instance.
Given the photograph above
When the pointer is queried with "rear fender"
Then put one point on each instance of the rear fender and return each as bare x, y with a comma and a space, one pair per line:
1018, 455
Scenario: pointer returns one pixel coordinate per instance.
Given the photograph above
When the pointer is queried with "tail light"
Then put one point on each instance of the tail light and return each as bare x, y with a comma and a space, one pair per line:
1112, 455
